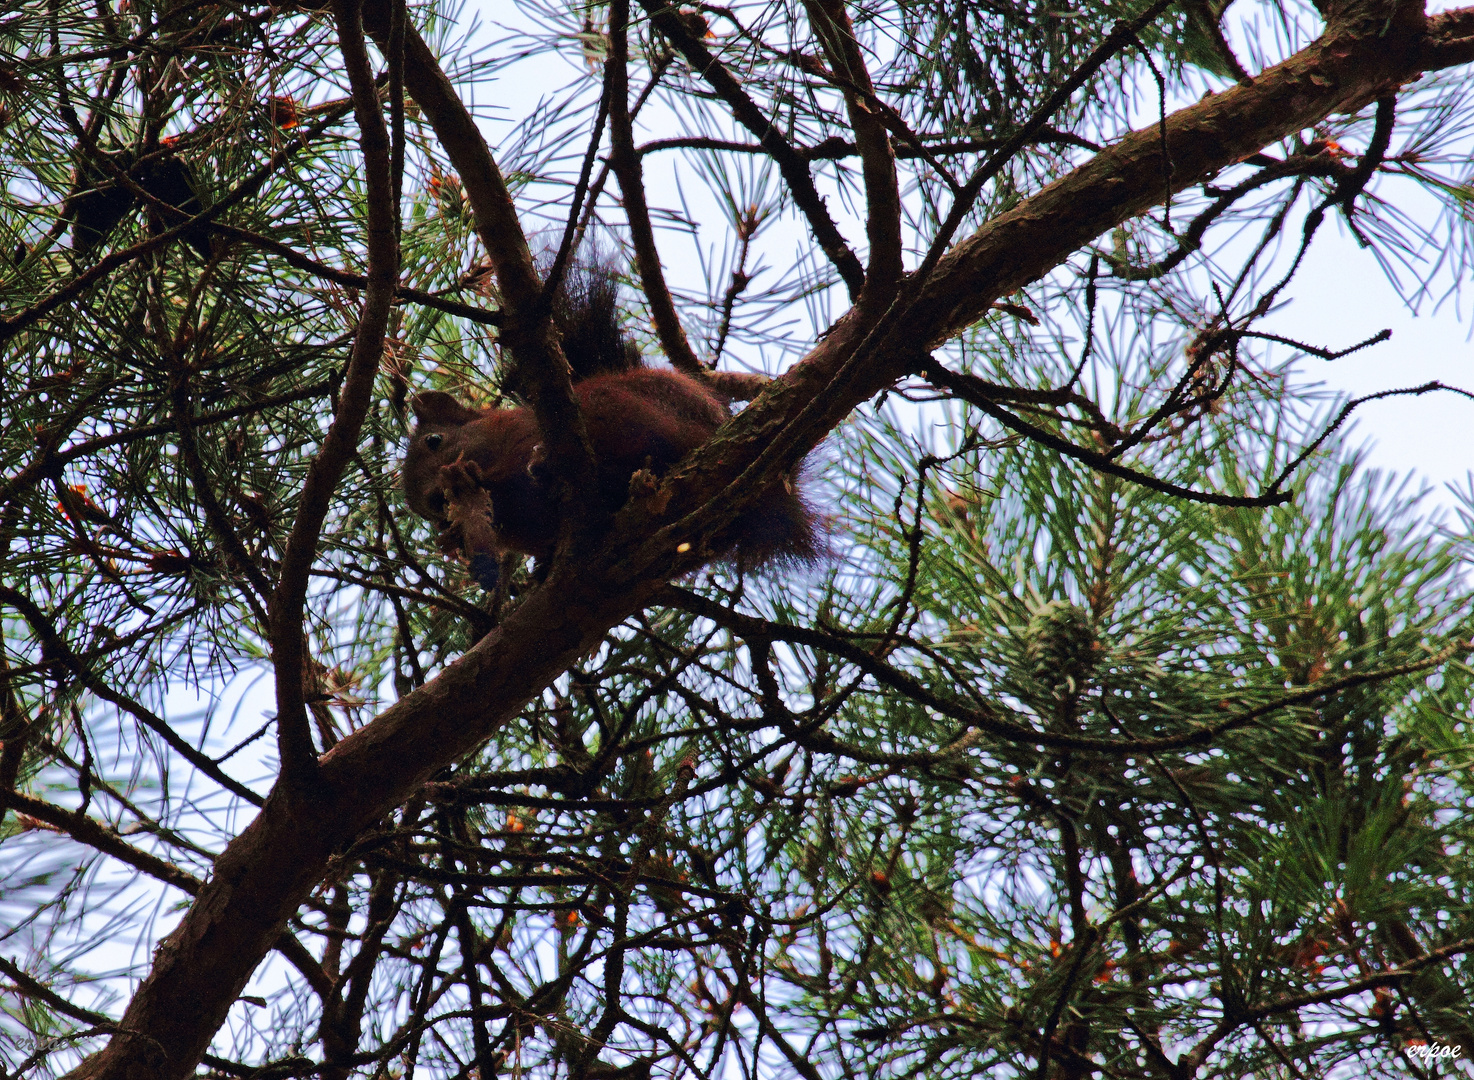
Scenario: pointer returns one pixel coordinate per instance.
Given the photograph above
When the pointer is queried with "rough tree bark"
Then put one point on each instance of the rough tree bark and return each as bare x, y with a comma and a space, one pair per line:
263, 876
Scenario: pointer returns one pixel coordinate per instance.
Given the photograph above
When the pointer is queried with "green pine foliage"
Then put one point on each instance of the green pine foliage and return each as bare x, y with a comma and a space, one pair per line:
1040, 772
1157, 894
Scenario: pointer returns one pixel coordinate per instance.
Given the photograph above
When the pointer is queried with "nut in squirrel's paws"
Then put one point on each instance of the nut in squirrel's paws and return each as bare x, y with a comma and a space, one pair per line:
645, 491
468, 509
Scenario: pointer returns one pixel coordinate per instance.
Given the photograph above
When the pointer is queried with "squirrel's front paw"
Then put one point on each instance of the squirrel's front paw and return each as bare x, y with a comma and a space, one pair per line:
460, 479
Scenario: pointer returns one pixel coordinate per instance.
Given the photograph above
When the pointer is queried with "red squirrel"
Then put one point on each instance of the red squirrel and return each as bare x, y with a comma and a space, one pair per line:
638, 418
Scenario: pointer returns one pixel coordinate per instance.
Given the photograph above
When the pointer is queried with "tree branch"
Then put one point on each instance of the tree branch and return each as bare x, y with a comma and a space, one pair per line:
831, 24
835, 148
794, 168
102, 838
350, 280
288, 640
49, 461
626, 166
1290, 1002
994, 721
55, 647
969, 390
1450, 40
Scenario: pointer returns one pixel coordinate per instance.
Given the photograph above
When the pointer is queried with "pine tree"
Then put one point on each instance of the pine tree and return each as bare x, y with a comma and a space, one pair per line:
1120, 730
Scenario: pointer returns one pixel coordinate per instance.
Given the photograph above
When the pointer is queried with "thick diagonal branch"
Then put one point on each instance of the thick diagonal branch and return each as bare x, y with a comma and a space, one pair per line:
1347, 68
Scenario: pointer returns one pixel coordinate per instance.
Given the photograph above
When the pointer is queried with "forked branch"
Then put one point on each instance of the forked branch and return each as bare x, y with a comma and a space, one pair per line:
831, 24
626, 166
790, 163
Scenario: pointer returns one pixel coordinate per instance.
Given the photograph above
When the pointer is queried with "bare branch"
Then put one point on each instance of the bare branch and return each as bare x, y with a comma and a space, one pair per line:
288, 642
974, 392
1319, 164
1351, 406
794, 168
571, 231
1356, 179
831, 24
834, 148
100, 837
626, 165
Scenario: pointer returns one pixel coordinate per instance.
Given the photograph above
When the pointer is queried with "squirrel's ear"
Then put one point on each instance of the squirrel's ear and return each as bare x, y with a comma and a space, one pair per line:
438, 407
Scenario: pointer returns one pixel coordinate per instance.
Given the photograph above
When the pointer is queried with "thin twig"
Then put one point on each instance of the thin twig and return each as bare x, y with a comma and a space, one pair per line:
351, 280
1104, 462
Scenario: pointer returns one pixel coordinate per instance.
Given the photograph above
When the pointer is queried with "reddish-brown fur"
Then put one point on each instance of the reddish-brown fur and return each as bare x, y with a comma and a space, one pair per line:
646, 418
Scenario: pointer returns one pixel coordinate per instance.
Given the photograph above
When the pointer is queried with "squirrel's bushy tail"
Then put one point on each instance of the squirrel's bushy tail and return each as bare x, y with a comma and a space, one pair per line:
586, 312
781, 530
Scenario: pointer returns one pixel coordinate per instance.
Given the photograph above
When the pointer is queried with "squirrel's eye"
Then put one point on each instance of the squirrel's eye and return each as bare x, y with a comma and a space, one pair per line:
433, 440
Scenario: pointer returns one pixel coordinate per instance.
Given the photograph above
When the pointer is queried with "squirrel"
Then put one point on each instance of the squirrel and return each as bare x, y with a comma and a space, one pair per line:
479, 473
